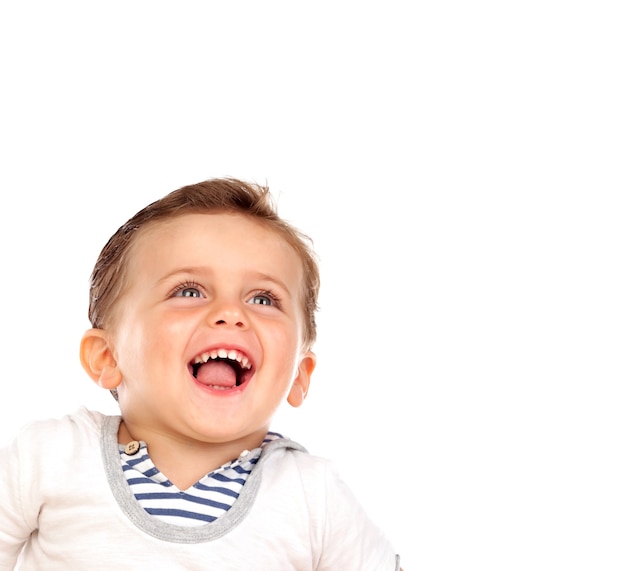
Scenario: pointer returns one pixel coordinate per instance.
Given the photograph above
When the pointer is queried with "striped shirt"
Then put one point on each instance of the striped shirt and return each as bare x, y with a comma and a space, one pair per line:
204, 502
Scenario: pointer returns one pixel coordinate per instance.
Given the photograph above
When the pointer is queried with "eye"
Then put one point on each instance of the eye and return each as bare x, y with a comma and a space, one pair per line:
187, 290
265, 298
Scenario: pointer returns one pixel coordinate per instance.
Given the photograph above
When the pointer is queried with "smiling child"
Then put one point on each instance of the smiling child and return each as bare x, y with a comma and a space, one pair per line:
203, 323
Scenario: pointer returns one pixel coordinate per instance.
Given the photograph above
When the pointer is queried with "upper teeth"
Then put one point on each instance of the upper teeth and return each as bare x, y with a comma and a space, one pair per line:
223, 354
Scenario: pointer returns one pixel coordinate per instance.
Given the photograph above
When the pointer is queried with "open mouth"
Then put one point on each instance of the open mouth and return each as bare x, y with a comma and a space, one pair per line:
221, 369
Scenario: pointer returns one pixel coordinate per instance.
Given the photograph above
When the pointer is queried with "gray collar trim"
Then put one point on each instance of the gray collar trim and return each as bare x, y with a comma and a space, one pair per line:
175, 533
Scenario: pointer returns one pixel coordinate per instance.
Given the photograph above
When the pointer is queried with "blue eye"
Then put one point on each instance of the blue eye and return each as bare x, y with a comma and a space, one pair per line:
188, 289
265, 298
189, 292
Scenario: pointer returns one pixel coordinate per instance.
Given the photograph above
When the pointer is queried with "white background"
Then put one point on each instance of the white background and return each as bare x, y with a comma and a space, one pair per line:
460, 167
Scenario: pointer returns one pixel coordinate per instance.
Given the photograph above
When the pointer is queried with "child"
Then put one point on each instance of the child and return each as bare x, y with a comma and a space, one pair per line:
203, 313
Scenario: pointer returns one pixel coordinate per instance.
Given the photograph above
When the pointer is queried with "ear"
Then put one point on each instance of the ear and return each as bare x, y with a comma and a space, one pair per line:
96, 356
300, 386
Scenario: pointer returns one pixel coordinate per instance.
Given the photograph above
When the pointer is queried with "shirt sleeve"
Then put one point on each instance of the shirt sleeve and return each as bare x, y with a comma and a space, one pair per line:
18, 514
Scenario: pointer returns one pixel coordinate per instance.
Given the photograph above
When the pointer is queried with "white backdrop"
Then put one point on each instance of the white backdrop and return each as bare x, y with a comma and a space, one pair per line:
460, 167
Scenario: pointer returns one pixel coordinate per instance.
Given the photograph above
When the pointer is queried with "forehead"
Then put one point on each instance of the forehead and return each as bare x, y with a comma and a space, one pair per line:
225, 239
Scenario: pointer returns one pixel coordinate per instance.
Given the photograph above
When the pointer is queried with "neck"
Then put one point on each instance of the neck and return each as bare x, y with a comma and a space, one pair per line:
186, 462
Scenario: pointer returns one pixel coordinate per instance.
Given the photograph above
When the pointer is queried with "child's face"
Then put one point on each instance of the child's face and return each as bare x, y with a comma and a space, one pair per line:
200, 284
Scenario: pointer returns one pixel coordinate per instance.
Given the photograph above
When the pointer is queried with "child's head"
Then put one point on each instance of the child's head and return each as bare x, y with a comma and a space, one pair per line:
211, 196
202, 307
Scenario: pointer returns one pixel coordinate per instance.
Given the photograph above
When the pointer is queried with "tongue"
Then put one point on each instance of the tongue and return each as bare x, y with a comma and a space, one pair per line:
217, 373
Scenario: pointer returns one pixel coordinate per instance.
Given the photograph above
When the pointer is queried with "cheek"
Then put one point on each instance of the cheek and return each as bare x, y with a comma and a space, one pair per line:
286, 346
162, 337
142, 343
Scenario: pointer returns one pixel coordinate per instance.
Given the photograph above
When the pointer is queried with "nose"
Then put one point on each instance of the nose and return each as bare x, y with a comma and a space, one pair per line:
226, 313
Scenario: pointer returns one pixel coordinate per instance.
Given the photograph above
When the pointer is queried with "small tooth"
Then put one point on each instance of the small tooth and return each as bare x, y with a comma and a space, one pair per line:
198, 360
214, 354
245, 363
232, 355
204, 357
222, 353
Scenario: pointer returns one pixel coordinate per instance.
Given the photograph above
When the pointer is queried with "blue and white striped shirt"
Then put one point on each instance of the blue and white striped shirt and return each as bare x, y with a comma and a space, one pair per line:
209, 498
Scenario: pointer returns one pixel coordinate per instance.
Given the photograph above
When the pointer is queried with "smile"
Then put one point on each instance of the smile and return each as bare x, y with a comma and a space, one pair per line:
221, 369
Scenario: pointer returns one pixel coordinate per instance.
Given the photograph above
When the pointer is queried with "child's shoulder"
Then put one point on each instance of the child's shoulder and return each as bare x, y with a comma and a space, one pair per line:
285, 452
65, 431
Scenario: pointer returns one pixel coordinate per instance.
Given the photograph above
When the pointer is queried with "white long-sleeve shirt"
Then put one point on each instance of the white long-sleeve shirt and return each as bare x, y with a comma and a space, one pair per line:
65, 504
